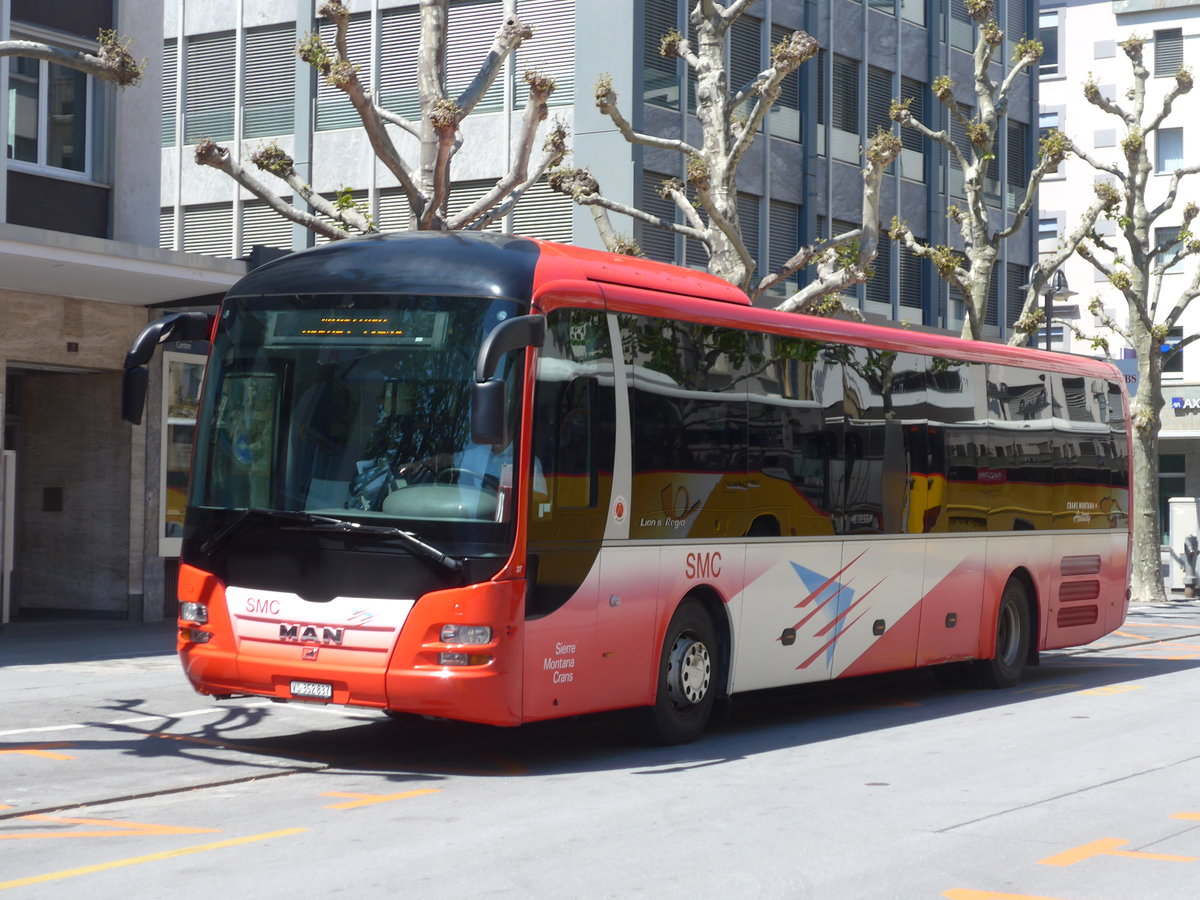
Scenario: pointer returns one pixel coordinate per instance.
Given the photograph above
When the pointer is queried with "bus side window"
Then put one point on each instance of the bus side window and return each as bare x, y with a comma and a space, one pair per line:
575, 455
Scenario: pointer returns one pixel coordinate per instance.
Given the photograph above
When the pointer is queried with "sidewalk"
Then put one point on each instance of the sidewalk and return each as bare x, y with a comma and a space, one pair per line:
29, 643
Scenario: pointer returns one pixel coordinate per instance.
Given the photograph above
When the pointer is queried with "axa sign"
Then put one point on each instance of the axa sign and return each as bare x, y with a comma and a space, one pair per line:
1185, 403
309, 634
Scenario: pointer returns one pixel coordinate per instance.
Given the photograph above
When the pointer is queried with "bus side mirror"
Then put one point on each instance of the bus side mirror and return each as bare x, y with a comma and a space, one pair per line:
187, 326
133, 394
489, 424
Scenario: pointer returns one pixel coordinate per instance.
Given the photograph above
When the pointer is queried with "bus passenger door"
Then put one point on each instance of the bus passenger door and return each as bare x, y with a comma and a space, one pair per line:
569, 485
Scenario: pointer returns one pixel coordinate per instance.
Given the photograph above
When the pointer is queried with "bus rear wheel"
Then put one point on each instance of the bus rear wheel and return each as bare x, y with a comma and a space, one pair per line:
687, 678
1013, 633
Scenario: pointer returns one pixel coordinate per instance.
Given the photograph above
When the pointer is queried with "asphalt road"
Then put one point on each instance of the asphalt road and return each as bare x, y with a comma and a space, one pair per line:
1082, 783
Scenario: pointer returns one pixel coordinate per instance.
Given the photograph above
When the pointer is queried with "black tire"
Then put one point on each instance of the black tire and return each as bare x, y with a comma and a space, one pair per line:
1013, 634
688, 678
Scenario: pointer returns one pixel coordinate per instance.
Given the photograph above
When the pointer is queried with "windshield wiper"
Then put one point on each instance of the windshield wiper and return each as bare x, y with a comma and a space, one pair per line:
302, 521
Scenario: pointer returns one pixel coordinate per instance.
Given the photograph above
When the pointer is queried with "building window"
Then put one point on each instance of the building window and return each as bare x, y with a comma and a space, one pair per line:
785, 114
962, 26
912, 154
50, 109
1048, 229
660, 75
1172, 472
1173, 365
1168, 51
1167, 240
1017, 164
1048, 25
1048, 122
1168, 150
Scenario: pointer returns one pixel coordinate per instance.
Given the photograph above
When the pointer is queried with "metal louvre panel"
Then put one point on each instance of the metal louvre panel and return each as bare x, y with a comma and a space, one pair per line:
470, 27
748, 206
1015, 295
208, 229
879, 286
544, 213
170, 81
656, 243
399, 44
784, 236
263, 226
269, 88
464, 193
551, 50
910, 279
1168, 51
822, 81
958, 134
912, 89
1018, 171
991, 315
334, 109
208, 97
166, 228
359, 197
879, 101
1018, 21
745, 52
845, 94
393, 211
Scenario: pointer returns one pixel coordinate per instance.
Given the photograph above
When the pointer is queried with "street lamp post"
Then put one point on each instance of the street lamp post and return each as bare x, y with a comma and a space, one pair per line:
1056, 289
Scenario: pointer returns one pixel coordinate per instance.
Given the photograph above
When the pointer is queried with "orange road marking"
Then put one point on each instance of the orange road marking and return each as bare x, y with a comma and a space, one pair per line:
369, 799
1048, 688
959, 894
1129, 635
41, 750
1195, 817
110, 828
1112, 689
153, 857
1107, 847
1163, 625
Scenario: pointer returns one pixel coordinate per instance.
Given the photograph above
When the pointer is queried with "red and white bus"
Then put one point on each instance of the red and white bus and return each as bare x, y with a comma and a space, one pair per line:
502, 480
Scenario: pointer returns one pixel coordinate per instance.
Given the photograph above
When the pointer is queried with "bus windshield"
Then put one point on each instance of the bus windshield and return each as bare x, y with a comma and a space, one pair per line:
355, 407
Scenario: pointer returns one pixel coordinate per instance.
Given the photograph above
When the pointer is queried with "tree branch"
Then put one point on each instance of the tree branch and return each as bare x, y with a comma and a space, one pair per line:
209, 153
113, 62
606, 102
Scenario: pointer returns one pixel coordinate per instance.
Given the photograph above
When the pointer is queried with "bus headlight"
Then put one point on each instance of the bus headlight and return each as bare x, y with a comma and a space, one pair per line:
466, 634
463, 659
194, 612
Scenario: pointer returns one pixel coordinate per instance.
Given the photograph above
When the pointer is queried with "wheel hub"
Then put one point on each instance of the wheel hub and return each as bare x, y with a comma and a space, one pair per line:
689, 671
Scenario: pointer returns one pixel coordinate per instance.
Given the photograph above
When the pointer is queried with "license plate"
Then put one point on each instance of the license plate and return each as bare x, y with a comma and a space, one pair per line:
315, 690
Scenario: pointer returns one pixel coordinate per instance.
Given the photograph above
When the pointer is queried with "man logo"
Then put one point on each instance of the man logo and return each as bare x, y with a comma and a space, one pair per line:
310, 653
308, 634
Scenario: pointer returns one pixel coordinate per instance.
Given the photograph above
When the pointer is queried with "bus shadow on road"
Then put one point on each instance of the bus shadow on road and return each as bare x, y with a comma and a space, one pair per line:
252, 742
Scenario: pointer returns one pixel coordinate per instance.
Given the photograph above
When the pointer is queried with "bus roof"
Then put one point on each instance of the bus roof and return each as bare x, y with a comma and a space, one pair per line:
473, 264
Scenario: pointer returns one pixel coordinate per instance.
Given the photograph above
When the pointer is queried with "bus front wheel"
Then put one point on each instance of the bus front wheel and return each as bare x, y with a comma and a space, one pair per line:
1013, 634
687, 678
